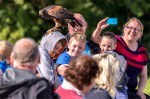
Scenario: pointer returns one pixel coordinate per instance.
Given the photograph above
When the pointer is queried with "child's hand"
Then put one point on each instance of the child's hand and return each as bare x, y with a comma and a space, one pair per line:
61, 69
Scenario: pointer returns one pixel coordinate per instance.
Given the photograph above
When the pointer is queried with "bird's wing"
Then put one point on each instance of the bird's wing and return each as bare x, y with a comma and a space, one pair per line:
66, 14
61, 13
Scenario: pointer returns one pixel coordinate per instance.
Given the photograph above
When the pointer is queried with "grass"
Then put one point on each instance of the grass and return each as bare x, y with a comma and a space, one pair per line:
147, 88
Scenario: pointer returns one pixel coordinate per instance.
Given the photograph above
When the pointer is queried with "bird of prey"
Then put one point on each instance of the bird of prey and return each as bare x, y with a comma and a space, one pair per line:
59, 15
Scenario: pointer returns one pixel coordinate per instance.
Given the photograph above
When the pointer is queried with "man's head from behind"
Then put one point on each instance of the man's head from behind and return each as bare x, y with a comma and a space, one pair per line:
25, 54
81, 72
78, 29
108, 42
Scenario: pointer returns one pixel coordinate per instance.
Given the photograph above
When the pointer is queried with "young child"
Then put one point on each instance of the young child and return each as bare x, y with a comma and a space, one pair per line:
106, 80
108, 43
52, 44
5, 52
76, 46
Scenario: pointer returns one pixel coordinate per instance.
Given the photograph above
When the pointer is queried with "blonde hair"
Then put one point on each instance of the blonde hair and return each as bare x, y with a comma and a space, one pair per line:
78, 37
137, 20
5, 49
109, 71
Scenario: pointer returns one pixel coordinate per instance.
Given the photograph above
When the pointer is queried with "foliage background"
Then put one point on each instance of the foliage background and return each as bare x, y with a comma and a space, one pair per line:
19, 18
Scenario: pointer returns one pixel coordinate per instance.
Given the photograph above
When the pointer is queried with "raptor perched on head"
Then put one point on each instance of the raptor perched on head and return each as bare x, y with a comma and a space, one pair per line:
59, 15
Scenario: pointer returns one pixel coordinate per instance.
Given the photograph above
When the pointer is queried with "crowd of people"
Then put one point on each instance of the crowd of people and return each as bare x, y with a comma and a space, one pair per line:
74, 66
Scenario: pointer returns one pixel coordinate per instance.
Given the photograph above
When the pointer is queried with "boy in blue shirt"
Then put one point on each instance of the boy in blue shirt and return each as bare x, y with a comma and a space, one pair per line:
76, 46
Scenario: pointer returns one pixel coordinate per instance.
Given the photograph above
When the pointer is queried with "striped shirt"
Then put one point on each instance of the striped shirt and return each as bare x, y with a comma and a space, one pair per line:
136, 60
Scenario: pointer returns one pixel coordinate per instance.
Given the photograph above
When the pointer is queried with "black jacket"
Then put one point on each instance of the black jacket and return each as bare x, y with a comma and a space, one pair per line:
23, 84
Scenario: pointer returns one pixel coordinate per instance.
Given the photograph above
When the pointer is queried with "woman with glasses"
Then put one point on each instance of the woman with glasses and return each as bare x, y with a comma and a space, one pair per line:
135, 54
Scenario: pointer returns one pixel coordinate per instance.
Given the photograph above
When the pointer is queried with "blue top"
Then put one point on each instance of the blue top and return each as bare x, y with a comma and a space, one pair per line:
87, 50
4, 65
64, 58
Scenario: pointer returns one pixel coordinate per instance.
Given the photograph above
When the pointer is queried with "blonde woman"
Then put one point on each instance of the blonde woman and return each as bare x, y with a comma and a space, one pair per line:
105, 83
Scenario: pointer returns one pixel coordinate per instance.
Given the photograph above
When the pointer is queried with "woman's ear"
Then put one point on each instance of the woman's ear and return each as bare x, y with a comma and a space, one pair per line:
140, 35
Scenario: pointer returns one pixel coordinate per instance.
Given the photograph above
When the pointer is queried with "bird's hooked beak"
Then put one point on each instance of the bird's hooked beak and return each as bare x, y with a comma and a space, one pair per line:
44, 14
41, 12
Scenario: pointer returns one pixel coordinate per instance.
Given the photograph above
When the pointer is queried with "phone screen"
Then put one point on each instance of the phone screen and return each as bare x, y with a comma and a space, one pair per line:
112, 21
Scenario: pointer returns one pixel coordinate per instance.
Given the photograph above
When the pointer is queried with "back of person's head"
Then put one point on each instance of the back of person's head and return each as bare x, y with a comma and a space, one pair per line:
79, 29
109, 71
25, 52
78, 37
5, 49
82, 71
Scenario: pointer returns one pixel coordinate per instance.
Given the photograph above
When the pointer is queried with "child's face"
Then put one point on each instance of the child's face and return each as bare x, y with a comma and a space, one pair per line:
56, 49
75, 48
107, 44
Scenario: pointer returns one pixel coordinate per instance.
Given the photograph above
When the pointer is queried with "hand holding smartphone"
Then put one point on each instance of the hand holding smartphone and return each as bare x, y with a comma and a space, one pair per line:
112, 21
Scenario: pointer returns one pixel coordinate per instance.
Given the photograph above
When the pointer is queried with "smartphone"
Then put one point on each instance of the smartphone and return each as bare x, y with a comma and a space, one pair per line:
112, 21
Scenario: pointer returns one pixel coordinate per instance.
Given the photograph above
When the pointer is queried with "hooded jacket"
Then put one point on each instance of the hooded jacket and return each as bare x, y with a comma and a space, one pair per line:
46, 66
23, 84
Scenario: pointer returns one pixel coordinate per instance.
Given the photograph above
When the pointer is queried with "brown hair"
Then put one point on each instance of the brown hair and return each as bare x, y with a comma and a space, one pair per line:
82, 71
109, 35
5, 49
63, 43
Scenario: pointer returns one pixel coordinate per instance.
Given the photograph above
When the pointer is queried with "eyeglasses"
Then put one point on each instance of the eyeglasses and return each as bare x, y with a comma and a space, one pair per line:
135, 29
